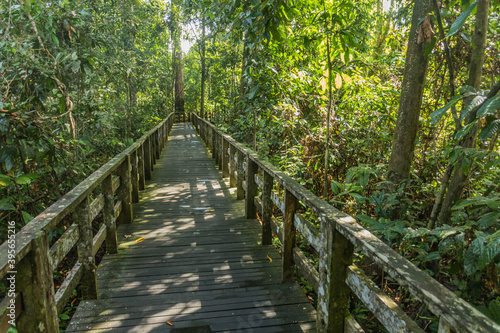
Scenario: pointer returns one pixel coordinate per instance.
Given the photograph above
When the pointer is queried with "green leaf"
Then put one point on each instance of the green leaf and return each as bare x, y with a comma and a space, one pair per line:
22, 180
489, 219
460, 21
489, 106
491, 250
366, 219
493, 203
475, 102
27, 217
429, 47
55, 40
465, 130
432, 256
490, 129
5, 205
436, 115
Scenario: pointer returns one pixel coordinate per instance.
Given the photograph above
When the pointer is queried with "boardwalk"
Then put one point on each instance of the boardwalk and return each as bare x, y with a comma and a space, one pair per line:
200, 266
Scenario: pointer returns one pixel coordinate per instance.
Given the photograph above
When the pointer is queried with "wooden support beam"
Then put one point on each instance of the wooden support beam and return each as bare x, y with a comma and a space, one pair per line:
35, 281
109, 215
86, 257
142, 173
232, 166
147, 159
267, 209
333, 293
240, 191
225, 158
134, 177
124, 192
251, 192
288, 237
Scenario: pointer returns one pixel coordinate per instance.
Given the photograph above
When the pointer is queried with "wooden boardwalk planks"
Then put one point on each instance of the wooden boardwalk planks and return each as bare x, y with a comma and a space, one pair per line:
200, 266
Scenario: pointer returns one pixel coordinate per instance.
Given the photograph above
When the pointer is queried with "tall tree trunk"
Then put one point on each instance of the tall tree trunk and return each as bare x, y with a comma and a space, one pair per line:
203, 69
178, 69
410, 101
459, 179
244, 63
384, 29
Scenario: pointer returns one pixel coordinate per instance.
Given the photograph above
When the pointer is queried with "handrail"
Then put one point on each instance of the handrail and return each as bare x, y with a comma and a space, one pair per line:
335, 241
32, 261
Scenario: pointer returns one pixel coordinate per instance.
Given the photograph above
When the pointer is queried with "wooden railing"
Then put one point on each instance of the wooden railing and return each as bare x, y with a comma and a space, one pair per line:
32, 261
334, 242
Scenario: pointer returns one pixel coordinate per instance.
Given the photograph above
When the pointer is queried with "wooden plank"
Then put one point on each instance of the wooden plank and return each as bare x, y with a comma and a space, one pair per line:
65, 291
98, 239
384, 308
306, 269
308, 230
63, 245
96, 206
352, 326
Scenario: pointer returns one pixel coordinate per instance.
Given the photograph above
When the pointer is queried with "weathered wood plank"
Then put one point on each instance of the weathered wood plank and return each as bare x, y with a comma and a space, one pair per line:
85, 253
385, 309
109, 215
98, 239
305, 268
65, 291
308, 230
63, 245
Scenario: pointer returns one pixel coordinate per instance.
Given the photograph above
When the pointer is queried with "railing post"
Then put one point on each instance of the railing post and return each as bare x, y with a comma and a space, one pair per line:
125, 192
152, 142
158, 141
147, 159
142, 174
109, 215
232, 166
240, 191
250, 209
333, 294
35, 280
213, 143
219, 150
267, 209
85, 254
225, 158
288, 236
134, 177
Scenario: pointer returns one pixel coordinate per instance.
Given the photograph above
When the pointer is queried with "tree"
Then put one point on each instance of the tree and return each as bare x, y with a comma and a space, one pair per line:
412, 90
176, 32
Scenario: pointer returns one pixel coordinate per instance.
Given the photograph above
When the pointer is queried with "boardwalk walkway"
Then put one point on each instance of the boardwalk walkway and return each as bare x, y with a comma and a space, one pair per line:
200, 266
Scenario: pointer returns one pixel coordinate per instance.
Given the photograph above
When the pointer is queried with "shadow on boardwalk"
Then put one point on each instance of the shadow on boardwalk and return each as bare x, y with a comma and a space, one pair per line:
200, 266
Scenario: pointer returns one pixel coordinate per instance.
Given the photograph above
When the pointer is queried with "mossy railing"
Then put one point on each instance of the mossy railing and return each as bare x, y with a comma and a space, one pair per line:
334, 242
36, 304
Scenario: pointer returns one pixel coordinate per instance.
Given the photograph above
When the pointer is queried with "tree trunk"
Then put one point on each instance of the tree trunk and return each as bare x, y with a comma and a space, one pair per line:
384, 29
203, 70
244, 63
403, 144
459, 180
175, 29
